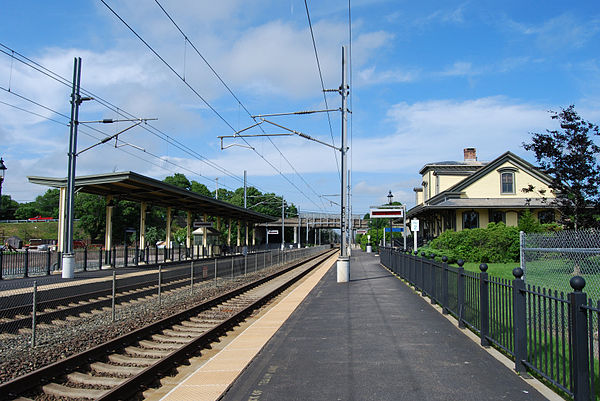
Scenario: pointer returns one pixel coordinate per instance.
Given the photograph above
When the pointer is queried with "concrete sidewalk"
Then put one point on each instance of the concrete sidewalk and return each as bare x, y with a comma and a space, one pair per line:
373, 339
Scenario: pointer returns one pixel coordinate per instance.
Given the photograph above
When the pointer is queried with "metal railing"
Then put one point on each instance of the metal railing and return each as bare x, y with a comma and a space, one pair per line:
553, 336
32, 263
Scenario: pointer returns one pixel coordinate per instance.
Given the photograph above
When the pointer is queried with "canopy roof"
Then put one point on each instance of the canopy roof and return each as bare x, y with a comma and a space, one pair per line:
139, 188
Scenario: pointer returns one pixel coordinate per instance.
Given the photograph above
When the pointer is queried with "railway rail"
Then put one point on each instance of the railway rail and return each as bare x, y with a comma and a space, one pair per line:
125, 366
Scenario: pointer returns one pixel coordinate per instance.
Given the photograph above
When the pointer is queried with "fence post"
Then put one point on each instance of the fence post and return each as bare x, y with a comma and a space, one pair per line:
159, 284
156, 254
48, 262
26, 263
85, 257
578, 333
34, 314
423, 286
520, 320
460, 287
484, 305
114, 293
136, 258
444, 297
100, 258
125, 255
192, 278
113, 260
1, 264
432, 293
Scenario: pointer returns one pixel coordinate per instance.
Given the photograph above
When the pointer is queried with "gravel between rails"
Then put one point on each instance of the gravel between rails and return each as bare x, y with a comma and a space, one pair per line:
73, 336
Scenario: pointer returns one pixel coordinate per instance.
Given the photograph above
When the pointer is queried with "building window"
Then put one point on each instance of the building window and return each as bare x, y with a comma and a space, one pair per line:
546, 216
470, 219
508, 182
497, 216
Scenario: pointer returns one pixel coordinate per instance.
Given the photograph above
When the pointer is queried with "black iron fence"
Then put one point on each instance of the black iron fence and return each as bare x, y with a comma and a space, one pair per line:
30, 263
545, 332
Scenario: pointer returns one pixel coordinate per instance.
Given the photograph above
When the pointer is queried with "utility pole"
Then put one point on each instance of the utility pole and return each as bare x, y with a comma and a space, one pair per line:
217, 190
245, 191
343, 262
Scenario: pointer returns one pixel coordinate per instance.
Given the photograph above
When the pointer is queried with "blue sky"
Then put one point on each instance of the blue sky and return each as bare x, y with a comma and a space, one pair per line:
429, 78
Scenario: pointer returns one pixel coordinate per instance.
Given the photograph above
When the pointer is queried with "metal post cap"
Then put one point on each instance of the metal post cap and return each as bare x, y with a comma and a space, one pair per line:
483, 267
444, 259
460, 262
416, 253
577, 283
423, 254
518, 272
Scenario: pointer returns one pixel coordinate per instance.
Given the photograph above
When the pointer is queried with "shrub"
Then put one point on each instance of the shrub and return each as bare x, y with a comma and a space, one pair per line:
494, 244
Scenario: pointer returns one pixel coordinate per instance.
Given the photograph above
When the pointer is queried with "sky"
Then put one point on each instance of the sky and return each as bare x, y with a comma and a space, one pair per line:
427, 79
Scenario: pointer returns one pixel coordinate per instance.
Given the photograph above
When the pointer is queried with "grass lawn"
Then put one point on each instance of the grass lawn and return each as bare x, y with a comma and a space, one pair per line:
502, 270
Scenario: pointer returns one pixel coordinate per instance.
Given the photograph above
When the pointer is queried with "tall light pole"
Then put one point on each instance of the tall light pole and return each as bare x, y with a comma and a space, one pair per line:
2, 173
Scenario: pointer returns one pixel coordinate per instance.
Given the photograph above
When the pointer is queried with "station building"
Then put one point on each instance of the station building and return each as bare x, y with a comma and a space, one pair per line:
458, 195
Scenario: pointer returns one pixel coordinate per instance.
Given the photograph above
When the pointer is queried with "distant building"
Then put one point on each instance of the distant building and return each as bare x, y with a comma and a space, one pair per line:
455, 195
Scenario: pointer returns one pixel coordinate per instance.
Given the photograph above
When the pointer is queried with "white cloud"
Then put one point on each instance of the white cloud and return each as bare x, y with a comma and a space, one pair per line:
369, 76
439, 129
558, 33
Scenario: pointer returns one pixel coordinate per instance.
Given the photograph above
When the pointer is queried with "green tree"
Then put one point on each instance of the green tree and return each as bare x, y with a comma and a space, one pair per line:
570, 156
90, 210
27, 210
201, 189
8, 206
179, 180
48, 203
528, 223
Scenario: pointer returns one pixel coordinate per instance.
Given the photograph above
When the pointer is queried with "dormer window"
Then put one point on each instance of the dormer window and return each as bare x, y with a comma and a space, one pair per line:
507, 180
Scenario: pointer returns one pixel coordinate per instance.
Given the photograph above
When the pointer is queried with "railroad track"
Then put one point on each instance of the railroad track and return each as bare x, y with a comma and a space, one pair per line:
14, 319
121, 368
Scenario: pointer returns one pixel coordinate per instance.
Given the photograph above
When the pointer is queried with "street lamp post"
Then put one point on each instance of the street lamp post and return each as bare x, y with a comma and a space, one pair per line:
2, 172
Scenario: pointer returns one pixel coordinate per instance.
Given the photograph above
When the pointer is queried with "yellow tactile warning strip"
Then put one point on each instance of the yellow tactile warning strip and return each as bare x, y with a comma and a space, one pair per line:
211, 380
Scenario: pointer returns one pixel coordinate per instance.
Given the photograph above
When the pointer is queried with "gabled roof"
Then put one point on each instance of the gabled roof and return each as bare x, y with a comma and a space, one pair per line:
450, 198
491, 166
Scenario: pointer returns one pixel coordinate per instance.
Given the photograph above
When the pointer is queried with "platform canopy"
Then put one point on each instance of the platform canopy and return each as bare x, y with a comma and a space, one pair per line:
139, 188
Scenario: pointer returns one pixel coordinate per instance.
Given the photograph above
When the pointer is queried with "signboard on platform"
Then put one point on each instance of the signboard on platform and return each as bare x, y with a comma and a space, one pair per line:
386, 213
272, 232
198, 224
414, 225
395, 229
361, 231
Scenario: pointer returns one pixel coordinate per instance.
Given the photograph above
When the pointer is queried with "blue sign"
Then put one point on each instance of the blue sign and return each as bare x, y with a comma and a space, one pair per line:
396, 229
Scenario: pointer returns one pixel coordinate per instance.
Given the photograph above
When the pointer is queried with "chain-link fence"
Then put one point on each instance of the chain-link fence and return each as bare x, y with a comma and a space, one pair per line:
549, 260
48, 311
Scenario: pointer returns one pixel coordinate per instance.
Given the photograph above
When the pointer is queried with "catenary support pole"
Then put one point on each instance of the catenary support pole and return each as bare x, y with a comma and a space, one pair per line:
343, 262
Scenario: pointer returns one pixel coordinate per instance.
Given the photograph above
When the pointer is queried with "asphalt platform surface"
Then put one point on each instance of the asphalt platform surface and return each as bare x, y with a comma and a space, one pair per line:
373, 339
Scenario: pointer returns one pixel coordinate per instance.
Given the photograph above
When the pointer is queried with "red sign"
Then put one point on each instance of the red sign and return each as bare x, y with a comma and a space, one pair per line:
386, 213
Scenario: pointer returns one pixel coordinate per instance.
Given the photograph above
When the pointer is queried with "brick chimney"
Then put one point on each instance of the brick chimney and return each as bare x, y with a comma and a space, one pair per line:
470, 154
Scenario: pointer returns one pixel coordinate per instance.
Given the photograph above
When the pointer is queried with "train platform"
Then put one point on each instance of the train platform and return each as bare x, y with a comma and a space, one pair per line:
373, 338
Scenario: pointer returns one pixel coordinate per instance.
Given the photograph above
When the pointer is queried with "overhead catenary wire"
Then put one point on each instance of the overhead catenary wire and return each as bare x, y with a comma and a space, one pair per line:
312, 35
206, 102
242, 106
66, 123
148, 127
